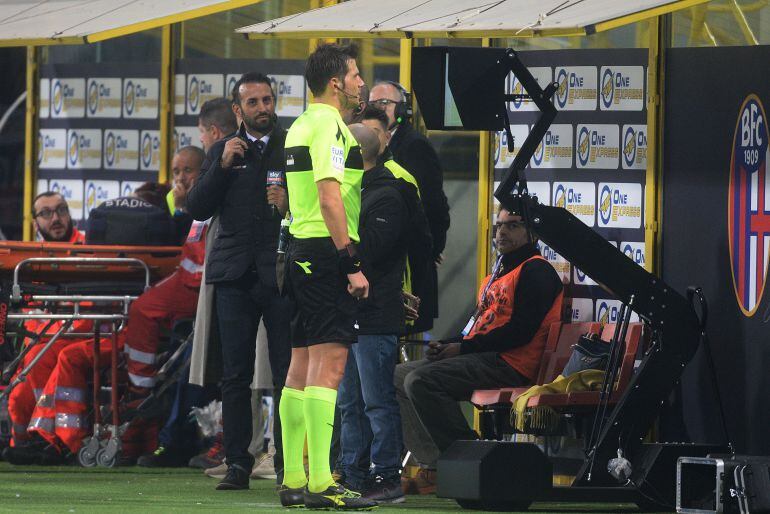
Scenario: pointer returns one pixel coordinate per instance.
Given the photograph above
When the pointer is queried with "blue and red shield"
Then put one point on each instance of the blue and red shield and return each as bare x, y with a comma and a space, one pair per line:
748, 209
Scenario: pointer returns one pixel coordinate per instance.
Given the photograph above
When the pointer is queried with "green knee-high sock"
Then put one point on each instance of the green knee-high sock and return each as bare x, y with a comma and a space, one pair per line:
319, 419
292, 413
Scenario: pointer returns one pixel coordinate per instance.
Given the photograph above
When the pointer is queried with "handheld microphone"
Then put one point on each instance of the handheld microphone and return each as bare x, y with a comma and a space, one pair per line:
275, 178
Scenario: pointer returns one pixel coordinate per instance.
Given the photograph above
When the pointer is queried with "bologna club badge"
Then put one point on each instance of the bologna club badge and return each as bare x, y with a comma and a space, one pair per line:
748, 205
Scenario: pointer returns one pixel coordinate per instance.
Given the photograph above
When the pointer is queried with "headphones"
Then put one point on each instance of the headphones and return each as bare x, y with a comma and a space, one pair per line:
403, 111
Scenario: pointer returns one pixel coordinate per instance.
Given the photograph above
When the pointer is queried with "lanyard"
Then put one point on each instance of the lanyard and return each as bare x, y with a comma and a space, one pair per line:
482, 303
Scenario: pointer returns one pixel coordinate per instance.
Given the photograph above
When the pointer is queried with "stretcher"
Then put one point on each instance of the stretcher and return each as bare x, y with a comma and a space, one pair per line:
67, 283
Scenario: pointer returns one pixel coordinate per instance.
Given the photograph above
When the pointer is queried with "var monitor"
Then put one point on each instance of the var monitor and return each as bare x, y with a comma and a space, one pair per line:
460, 88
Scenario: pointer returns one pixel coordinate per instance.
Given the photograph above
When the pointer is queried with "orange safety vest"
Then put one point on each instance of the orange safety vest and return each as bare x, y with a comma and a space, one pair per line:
77, 237
496, 311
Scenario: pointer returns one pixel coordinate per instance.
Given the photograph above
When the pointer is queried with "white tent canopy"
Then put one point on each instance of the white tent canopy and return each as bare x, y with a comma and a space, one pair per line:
464, 18
45, 22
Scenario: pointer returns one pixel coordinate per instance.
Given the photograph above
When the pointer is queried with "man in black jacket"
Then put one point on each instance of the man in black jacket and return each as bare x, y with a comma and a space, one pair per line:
241, 262
414, 152
367, 398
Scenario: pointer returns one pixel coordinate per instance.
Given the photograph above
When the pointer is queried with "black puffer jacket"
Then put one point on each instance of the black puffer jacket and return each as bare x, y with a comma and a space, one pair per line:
383, 232
248, 228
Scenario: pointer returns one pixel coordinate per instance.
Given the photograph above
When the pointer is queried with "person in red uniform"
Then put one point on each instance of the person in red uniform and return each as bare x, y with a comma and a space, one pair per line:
60, 414
53, 223
501, 346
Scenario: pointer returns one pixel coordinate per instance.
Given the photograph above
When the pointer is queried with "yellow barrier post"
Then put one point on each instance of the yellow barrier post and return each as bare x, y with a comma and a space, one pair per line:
30, 141
653, 199
166, 110
485, 202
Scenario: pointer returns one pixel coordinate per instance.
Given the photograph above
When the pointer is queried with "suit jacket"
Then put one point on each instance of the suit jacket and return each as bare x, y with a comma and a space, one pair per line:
247, 235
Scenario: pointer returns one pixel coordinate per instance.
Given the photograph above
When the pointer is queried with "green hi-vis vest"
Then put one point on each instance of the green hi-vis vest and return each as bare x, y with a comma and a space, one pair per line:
319, 146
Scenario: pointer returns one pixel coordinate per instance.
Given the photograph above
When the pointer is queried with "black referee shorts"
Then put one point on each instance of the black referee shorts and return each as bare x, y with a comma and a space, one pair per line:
325, 311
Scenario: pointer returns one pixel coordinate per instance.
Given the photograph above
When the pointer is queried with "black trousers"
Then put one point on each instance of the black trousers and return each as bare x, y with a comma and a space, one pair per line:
240, 305
428, 392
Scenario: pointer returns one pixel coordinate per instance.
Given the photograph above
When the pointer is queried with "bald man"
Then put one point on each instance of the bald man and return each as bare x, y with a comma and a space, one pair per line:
367, 397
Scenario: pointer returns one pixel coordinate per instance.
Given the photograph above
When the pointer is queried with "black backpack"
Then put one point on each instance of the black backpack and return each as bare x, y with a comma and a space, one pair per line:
130, 221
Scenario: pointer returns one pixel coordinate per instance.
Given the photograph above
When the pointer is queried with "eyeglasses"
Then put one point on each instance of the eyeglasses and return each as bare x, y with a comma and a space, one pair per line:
382, 103
47, 214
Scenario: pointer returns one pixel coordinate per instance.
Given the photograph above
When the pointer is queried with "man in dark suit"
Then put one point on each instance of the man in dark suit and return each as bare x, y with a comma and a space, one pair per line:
414, 152
241, 261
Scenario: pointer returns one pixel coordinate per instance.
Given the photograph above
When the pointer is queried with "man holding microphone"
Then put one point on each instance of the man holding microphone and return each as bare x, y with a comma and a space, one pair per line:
241, 185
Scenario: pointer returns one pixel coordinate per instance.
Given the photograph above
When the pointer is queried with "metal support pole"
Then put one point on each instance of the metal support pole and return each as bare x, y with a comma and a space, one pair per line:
166, 110
30, 141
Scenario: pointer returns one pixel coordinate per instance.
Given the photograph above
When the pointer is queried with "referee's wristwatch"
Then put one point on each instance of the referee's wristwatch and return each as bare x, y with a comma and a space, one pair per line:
349, 262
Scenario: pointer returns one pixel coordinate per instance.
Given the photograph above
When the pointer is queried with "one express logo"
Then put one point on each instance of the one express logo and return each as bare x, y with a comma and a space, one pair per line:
605, 204
608, 87
93, 97
58, 97
194, 94
537, 157
560, 197
606, 313
129, 97
562, 79
630, 145
73, 148
110, 150
584, 145
147, 147
90, 197
40, 149
635, 254
517, 89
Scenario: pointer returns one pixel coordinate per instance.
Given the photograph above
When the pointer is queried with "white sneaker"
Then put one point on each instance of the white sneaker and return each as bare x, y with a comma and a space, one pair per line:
217, 471
264, 467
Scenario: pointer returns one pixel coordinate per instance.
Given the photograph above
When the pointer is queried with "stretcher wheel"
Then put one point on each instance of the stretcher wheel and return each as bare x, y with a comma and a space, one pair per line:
106, 459
86, 457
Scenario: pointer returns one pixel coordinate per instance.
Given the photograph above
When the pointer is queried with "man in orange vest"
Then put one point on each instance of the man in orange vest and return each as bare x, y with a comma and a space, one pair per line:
60, 394
52, 219
501, 346
53, 223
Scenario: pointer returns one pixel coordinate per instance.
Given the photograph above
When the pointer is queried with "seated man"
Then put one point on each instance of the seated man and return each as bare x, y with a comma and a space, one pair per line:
502, 346
52, 219
53, 223
60, 414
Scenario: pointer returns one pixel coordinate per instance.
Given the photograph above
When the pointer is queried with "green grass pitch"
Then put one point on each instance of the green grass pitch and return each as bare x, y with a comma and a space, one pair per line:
144, 490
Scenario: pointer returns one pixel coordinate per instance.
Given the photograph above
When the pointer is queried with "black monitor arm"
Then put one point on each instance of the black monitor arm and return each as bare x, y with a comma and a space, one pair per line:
671, 317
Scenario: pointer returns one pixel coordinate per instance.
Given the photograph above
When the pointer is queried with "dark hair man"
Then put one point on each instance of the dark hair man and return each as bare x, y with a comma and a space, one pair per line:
241, 262
367, 397
502, 347
215, 121
323, 172
414, 152
419, 278
52, 219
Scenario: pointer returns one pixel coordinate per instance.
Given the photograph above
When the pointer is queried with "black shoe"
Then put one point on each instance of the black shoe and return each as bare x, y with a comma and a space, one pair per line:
236, 478
336, 497
291, 498
163, 457
27, 455
384, 490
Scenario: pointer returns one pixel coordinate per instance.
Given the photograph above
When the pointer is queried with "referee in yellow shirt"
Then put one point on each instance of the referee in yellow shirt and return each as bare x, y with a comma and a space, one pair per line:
324, 169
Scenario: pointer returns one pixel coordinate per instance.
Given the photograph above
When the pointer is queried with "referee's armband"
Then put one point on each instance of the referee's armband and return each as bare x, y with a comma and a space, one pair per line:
349, 262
